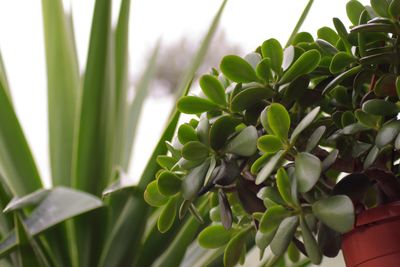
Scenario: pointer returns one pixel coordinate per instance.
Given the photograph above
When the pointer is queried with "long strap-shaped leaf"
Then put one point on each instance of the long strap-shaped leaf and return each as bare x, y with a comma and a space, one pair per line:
300, 22
93, 152
3, 77
17, 167
62, 89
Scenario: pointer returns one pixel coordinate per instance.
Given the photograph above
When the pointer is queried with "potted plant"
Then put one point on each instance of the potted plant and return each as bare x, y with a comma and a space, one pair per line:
295, 148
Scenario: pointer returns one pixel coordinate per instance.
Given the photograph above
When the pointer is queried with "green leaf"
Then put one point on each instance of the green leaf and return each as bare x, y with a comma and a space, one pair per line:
168, 183
302, 37
214, 236
153, 196
186, 134
380, 107
337, 212
272, 49
394, 9
31, 199
234, 248
194, 180
195, 104
167, 215
293, 252
284, 185
371, 157
338, 79
327, 34
326, 47
270, 193
305, 64
62, 89
194, 150
381, 7
249, 97
310, 244
263, 69
366, 119
272, 219
213, 89
354, 10
245, 143
269, 143
329, 160
203, 130
387, 133
308, 171
238, 70
166, 162
342, 32
221, 129
340, 62
279, 120
304, 123
18, 169
284, 235
268, 168
315, 137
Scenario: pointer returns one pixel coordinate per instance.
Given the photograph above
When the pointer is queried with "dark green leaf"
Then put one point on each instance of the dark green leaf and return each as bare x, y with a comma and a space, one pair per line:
194, 180
264, 239
327, 34
279, 120
249, 97
272, 219
168, 183
269, 167
342, 32
166, 162
304, 123
381, 7
167, 215
272, 49
213, 89
238, 70
394, 9
338, 79
308, 171
221, 129
354, 10
380, 107
284, 185
284, 235
245, 143
312, 249
302, 37
203, 130
340, 62
326, 47
194, 151
337, 212
234, 248
195, 104
214, 236
367, 119
315, 137
306, 63
263, 69
186, 133
225, 210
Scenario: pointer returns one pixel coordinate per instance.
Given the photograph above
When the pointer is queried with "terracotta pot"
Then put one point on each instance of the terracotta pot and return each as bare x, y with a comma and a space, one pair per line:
375, 240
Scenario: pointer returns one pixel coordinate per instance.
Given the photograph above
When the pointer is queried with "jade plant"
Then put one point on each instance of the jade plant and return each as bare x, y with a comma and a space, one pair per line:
288, 144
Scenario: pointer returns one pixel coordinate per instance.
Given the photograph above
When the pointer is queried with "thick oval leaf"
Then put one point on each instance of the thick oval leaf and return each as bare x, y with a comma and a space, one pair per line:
194, 180
308, 171
264, 120
213, 89
264, 239
337, 212
293, 252
245, 143
306, 63
381, 7
304, 123
366, 119
380, 107
326, 47
302, 37
186, 133
327, 34
235, 248
284, 185
167, 216
272, 194
329, 160
312, 249
264, 69
269, 143
340, 62
284, 235
387, 133
354, 10
194, 151
338, 79
272, 219
272, 49
238, 70
225, 210
153, 196
168, 183
253, 58
394, 9
315, 137
279, 120
166, 162
222, 128
269, 167
371, 157
329, 241
195, 105
250, 97
203, 130
214, 236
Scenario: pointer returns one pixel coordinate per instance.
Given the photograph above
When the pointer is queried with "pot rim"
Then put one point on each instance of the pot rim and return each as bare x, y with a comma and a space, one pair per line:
377, 214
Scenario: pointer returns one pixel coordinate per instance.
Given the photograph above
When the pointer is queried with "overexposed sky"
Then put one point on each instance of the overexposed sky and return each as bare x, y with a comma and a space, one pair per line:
246, 22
